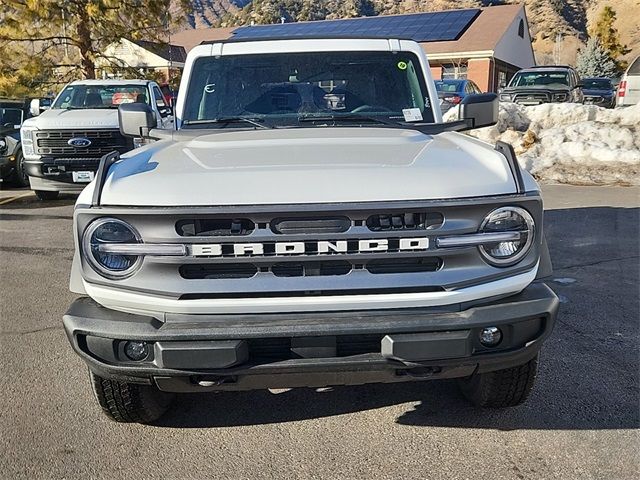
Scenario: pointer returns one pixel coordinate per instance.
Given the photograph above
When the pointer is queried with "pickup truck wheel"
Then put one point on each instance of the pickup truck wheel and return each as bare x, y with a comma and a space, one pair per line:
502, 388
21, 179
46, 194
129, 402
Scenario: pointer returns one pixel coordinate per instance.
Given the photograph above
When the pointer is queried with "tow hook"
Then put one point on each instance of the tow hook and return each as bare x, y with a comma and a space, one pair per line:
212, 381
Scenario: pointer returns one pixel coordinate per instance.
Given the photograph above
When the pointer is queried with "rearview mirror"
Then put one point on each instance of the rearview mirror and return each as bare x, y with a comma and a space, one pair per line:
34, 107
479, 110
136, 119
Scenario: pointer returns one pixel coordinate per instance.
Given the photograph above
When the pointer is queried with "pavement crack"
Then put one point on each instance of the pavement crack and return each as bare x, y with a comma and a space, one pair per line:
591, 264
29, 332
42, 251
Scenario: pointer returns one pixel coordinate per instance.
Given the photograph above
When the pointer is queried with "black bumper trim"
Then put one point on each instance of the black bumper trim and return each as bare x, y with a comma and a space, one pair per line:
86, 317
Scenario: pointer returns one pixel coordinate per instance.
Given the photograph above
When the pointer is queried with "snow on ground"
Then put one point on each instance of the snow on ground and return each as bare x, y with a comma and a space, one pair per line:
570, 143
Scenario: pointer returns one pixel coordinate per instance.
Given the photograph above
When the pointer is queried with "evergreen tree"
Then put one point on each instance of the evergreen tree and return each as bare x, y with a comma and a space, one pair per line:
595, 61
608, 36
83, 27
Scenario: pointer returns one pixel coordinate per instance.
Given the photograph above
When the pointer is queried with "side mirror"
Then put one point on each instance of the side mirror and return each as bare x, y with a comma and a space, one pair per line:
136, 119
165, 111
34, 107
479, 110
45, 104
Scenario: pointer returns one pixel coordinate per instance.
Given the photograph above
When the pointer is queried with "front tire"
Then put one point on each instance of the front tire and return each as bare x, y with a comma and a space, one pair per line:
46, 195
129, 402
21, 179
503, 388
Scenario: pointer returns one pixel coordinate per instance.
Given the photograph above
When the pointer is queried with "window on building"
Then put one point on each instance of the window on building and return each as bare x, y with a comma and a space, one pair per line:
454, 70
521, 29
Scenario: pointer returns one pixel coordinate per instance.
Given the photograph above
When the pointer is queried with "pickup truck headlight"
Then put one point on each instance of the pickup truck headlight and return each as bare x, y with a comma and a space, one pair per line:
559, 97
27, 138
3, 145
99, 247
508, 219
505, 97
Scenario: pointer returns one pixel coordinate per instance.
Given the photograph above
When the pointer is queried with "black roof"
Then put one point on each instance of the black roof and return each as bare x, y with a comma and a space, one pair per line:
174, 53
421, 27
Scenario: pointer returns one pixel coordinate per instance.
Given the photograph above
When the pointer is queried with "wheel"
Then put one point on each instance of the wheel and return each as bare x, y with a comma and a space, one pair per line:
502, 388
46, 194
129, 402
21, 179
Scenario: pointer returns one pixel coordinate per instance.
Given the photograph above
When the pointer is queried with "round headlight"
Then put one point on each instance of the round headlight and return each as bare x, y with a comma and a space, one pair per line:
3, 144
508, 219
109, 231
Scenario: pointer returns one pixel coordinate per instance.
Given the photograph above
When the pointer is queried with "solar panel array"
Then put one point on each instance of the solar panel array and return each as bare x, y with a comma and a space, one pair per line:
421, 27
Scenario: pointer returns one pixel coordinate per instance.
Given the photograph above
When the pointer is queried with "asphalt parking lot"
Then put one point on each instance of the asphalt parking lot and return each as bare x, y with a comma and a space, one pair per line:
581, 421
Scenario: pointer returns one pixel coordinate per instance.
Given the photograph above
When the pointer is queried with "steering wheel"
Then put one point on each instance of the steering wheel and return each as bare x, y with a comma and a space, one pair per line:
371, 108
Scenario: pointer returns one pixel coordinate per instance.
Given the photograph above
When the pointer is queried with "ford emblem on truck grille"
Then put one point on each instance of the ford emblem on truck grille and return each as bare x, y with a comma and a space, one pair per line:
79, 142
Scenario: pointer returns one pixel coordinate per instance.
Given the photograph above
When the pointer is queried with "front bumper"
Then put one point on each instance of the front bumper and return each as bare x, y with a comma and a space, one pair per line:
59, 171
243, 352
7, 166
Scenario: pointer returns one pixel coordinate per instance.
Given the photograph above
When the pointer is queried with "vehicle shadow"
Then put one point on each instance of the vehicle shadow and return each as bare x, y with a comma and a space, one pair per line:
588, 376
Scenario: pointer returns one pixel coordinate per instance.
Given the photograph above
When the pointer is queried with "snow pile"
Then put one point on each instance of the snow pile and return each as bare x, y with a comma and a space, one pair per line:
570, 143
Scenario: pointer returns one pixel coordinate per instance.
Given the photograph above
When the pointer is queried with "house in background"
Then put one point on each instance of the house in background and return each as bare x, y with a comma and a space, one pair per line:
489, 50
166, 60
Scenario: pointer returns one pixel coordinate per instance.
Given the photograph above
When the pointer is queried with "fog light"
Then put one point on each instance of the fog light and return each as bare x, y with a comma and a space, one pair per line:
136, 351
490, 336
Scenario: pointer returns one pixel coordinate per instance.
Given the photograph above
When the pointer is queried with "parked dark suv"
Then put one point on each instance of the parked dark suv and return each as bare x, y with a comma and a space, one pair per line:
547, 84
12, 113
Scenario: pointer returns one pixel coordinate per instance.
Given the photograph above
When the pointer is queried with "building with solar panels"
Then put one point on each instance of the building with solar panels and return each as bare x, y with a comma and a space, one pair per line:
486, 45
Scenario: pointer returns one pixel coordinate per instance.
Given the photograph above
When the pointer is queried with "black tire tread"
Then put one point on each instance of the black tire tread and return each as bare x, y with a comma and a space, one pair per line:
129, 402
46, 194
503, 388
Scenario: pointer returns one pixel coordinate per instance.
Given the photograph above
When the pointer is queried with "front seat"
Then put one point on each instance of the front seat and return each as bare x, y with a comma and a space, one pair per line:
93, 100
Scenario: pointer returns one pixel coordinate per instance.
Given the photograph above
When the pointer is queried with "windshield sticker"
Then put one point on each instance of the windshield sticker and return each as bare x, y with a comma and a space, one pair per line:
402, 65
412, 114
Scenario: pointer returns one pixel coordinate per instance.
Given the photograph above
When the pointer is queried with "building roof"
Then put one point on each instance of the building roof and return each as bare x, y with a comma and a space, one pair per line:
484, 33
193, 37
172, 52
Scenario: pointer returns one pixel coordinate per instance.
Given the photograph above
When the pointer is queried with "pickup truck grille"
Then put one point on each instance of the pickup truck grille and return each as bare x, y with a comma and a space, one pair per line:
55, 142
531, 97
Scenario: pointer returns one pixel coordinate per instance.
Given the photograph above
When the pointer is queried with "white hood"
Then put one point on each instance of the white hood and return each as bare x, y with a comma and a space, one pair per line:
79, 119
307, 165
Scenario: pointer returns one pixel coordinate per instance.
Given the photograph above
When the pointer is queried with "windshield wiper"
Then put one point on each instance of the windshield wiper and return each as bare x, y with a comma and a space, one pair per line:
347, 118
228, 120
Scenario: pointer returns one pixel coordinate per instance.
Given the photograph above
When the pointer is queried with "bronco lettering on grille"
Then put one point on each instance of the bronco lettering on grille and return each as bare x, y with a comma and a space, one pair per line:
314, 248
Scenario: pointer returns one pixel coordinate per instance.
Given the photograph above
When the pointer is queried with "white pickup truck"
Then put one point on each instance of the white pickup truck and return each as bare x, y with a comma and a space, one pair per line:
310, 222
63, 145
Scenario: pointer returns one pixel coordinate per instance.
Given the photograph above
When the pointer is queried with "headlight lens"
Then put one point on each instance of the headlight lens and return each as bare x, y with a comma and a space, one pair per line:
560, 97
26, 136
505, 97
106, 231
3, 144
508, 219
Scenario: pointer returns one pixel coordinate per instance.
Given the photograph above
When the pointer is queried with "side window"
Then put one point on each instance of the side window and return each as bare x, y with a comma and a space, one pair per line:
161, 105
476, 89
159, 98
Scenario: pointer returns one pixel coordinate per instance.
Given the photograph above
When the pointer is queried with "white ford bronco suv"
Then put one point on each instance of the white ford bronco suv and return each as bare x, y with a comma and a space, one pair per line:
62, 146
311, 222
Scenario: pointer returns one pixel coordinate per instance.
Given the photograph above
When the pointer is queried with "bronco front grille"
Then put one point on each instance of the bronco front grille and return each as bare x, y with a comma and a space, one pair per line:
55, 142
274, 251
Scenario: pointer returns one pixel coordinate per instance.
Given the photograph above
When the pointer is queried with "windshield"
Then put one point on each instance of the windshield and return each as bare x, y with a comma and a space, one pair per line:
449, 85
285, 88
597, 84
100, 96
10, 117
540, 79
